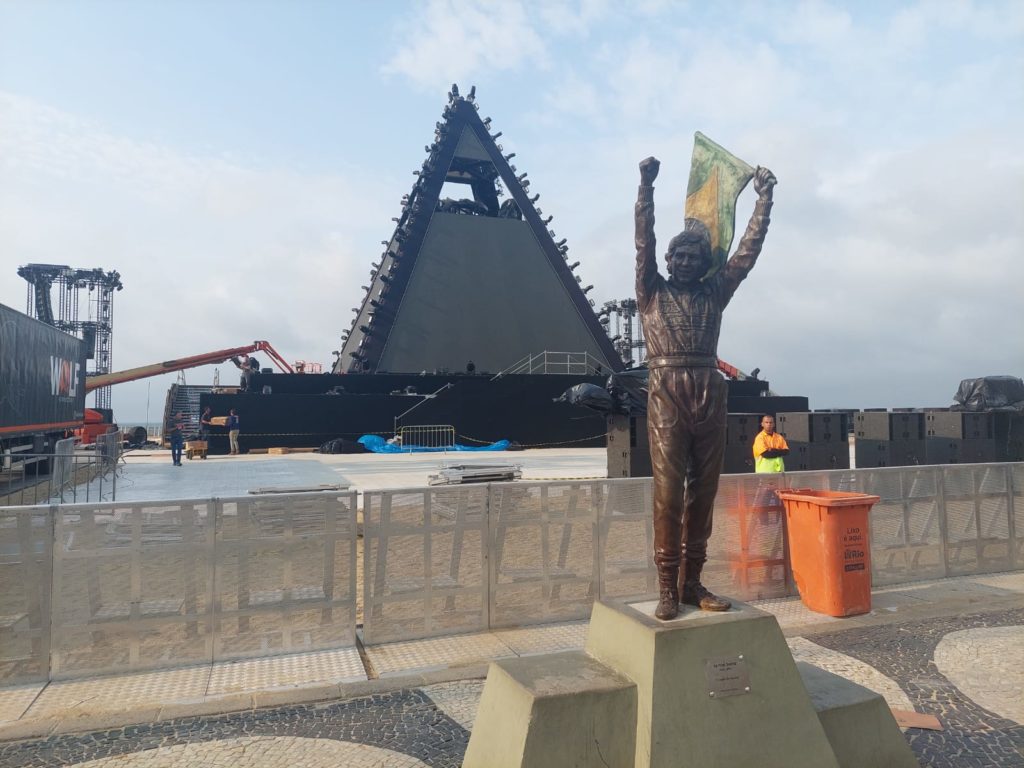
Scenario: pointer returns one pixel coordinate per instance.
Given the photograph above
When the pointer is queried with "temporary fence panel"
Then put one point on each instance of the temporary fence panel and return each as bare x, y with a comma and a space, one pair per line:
132, 586
1017, 513
26, 555
626, 540
543, 551
906, 523
427, 436
424, 562
162, 584
747, 553
285, 574
976, 498
62, 468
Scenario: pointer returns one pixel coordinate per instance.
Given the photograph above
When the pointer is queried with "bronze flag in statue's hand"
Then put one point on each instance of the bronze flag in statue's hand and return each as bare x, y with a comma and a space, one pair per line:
716, 180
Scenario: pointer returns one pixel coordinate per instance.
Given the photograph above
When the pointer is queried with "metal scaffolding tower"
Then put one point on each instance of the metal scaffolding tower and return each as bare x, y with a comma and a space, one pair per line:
96, 329
621, 321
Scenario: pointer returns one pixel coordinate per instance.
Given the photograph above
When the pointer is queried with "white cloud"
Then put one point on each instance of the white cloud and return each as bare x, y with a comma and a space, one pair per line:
449, 41
573, 18
212, 253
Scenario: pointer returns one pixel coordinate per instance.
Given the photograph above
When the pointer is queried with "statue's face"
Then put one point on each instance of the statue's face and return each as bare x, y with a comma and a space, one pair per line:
686, 264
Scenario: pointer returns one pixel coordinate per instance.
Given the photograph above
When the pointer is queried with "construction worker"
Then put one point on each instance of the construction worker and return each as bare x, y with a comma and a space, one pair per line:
769, 448
176, 436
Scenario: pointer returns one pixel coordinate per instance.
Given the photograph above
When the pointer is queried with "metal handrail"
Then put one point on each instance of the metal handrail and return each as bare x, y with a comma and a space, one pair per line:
540, 362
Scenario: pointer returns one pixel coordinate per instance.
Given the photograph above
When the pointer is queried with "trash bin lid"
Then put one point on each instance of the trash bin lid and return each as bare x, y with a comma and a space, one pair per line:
828, 498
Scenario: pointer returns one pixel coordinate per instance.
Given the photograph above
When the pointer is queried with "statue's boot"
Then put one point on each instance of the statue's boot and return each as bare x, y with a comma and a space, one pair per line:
668, 602
695, 593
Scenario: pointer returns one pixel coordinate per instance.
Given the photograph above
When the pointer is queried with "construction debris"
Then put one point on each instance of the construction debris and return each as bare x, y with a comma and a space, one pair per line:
303, 488
457, 474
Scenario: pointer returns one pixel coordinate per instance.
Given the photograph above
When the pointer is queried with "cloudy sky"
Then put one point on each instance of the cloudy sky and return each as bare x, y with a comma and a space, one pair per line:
239, 163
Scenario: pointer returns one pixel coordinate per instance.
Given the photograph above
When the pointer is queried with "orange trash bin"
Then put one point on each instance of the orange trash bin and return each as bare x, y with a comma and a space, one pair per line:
830, 549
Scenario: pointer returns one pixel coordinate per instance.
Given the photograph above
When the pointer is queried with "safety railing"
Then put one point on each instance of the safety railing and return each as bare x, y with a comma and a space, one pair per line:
95, 588
444, 560
567, 363
437, 436
65, 476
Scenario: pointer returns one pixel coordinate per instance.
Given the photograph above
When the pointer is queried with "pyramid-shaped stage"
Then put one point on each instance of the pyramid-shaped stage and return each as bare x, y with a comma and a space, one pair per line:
478, 278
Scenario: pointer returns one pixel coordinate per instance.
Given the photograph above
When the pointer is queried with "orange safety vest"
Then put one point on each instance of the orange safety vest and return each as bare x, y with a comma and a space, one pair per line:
765, 442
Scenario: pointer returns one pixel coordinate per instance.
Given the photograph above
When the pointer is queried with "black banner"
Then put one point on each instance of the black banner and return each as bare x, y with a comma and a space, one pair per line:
42, 376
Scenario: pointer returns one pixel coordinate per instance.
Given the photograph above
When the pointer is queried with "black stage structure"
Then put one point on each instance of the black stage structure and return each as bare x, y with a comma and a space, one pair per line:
299, 412
475, 278
473, 318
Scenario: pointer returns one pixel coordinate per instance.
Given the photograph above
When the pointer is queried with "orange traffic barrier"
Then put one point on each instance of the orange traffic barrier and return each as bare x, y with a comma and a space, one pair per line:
830, 549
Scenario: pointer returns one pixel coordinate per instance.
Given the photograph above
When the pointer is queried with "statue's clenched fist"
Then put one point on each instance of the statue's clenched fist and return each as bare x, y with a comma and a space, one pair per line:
764, 181
649, 171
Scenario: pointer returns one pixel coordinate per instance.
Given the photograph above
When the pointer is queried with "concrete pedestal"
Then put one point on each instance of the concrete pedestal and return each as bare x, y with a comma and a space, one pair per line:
713, 689
706, 690
562, 709
858, 722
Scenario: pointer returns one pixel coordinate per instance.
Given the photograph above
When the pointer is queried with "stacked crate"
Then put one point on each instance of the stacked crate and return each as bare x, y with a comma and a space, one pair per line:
629, 454
959, 437
818, 440
740, 431
889, 439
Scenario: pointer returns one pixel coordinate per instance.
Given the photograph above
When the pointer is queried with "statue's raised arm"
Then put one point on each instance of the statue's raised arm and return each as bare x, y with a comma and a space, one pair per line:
646, 259
743, 260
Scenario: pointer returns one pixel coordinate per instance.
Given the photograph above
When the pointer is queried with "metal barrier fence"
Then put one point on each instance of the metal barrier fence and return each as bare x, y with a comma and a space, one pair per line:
94, 588
459, 559
427, 436
62, 476
109, 586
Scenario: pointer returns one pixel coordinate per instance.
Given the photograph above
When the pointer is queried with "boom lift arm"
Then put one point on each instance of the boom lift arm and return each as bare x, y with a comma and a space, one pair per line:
169, 366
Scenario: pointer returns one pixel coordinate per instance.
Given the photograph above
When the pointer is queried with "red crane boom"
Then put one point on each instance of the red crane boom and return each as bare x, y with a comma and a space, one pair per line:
180, 364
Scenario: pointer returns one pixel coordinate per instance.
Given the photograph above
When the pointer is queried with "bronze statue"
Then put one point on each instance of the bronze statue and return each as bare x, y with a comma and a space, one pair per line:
686, 410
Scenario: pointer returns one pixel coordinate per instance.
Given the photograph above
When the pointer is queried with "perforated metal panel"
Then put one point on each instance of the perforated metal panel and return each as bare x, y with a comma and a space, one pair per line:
543, 564
285, 574
162, 584
906, 540
132, 586
26, 554
1017, 513
977, 505
424, 562
626, 539
747, 550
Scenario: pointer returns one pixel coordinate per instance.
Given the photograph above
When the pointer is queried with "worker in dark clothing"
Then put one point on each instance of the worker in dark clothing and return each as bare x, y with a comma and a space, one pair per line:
233, 426
687, 406
176, 436
247, 366
205, 423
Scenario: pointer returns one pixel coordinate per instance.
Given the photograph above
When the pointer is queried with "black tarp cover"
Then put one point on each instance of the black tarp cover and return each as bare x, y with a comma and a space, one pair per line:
629, 391
990, 393
590, 395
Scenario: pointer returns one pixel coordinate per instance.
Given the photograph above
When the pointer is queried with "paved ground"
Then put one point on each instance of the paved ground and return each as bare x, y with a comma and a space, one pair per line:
147, 475
953, 648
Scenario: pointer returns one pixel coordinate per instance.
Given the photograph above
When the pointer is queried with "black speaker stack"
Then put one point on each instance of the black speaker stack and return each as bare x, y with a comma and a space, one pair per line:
629, 453
960, 437
889, 438
818, 440
740, 431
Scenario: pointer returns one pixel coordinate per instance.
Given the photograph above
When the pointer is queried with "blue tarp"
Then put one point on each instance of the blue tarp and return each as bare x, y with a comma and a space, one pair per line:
377, 444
